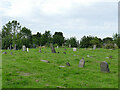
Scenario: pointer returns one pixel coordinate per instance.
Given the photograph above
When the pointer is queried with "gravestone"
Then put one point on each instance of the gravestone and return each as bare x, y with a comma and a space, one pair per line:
52, 48
69, 45
104, 67
40, 50
8, 48
94, 47
82, 63
68, 64
4, 53
74, 49
57, 46
45, 61
64, 52
24, 48
27, 50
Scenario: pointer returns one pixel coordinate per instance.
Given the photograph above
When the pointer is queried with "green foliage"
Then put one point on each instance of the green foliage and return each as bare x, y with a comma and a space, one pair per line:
58, 38
73, 42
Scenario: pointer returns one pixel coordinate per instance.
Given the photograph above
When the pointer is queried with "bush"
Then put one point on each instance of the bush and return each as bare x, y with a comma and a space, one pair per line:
109, 46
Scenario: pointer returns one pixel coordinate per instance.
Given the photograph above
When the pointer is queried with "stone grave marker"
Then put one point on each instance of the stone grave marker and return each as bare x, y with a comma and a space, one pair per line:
69, 45
57, 47
74, 49
24, 48
94, 47
27, 50
64, 52
4, 53
52, 48
8, 48
82, 63
104, 67
68, 64
45, 61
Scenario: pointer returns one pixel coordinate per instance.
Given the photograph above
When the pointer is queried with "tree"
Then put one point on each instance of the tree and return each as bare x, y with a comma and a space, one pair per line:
73, 42
58, 38
85, 41
26, 37
9, 32
46, 38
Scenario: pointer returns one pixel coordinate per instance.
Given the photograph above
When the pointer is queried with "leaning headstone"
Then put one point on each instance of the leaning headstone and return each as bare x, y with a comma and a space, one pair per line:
82, 63
104, 67
74, 49
4, 53
27, 50
94, 47
68, 64
24, 48
52, 48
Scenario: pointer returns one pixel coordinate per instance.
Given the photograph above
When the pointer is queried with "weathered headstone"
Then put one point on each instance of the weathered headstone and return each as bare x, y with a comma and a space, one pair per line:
68, 64
94, 47
24, 48
104, 67
45, 61
82, 63
27, 50
74, 49
69, 45
4, 53
52, 48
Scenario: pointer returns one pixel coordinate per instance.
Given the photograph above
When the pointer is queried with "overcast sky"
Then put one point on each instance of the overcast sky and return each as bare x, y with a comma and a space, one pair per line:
72, 17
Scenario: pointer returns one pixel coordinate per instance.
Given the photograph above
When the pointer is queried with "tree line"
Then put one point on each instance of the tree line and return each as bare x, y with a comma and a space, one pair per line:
13, 34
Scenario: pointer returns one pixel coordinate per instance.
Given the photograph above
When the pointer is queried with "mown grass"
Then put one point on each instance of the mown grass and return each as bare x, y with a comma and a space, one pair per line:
25, 70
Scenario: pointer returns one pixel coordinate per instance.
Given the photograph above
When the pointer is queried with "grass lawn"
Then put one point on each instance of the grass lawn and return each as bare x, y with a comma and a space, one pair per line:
25, 70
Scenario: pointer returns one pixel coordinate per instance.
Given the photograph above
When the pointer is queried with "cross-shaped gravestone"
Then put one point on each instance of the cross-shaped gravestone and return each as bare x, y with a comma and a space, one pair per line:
104, 67
94, 47
82, 63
